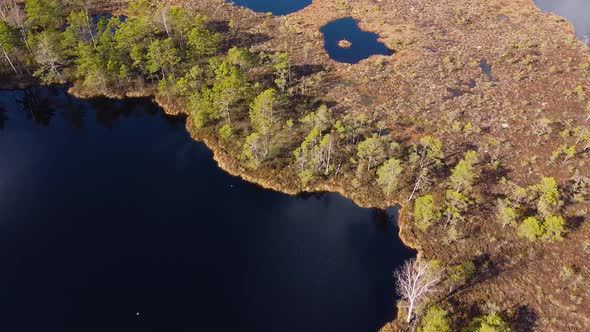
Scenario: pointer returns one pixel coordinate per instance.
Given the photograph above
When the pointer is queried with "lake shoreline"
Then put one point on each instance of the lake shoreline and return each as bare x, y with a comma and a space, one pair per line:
229, 165
129, 214
492, 70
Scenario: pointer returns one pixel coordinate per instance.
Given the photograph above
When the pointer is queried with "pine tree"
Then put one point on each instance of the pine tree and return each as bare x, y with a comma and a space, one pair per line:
530, 229
488, 323
371, 151
8, 43
202, 42
425, 211
553, 227
43, 14
252, 151
456, 205
463, 174
507, 213
162, 57
90, 68
181, 23
435, 320
549, 199
262, 114
241, 57
230, 86
314, 155
388, 175
282, 69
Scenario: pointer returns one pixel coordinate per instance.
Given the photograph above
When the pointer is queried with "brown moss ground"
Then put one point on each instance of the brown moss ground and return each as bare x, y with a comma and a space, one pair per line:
535, 60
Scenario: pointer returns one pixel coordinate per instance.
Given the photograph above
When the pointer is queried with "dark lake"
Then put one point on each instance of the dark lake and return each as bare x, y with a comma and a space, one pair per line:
363, 43
277, 7
113, 219
575, 11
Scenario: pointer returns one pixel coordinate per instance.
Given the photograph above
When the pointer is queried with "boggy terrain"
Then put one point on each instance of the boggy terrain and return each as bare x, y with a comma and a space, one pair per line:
478, 126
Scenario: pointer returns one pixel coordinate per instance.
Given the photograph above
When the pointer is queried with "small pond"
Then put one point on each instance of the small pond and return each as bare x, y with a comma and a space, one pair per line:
346, 42
575, 11
277, 7
113, 219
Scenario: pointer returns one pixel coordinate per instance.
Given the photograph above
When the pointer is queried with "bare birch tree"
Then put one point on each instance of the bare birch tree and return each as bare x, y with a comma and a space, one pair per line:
414, 280
48, 57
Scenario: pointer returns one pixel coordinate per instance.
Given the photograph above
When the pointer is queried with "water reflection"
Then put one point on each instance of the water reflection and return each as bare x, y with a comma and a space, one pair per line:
3, 117
41, 105
575, 11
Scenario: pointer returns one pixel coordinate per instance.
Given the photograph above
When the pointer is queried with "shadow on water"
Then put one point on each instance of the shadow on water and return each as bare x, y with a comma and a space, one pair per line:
113, 219
3, 117
41, 105
575, 11
277, 7
363, 44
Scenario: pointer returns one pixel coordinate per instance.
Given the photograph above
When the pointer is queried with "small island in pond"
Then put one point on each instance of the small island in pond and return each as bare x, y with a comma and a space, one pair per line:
344, 43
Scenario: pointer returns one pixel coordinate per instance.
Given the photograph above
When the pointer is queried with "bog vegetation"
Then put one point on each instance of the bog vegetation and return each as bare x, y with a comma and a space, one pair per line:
261, 108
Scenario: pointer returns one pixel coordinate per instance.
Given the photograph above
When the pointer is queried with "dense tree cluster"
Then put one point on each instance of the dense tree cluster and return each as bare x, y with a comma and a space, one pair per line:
177, 54
544, 200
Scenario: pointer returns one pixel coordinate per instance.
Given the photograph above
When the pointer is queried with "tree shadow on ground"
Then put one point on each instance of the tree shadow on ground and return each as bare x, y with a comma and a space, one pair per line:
574, 223
524, 319
236, 38
305, 70
247, 39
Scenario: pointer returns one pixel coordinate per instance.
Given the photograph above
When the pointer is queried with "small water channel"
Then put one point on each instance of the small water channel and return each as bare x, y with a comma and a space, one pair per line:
113, 219
575, 11
346, 42
276, 7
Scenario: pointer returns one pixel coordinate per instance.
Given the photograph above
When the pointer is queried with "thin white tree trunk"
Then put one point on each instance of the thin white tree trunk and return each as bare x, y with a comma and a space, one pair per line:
8, 59
415, 187
329, 156
410, 310
89, 26
54, 68
165, 21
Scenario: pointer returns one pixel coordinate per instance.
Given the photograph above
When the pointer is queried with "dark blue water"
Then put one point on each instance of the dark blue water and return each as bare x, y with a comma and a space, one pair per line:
575, 11
96, 18
113, 219
277, 7
364, 44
